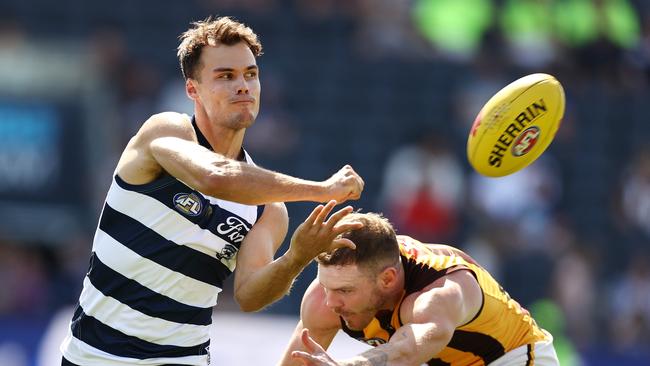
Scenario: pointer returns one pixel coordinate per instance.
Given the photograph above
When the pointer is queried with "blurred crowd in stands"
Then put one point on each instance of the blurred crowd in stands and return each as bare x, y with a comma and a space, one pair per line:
391, 87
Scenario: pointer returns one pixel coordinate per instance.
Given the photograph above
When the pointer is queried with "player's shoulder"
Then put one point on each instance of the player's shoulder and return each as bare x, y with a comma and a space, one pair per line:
170, 117
456, 290
314, 311
168, 121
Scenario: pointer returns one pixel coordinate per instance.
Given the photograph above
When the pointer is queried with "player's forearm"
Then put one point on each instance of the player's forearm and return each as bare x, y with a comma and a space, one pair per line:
411, 345
243, 183
268, 284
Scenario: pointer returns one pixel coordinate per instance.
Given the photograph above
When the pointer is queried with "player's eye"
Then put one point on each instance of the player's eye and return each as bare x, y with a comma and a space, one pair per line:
251, 74
226, 76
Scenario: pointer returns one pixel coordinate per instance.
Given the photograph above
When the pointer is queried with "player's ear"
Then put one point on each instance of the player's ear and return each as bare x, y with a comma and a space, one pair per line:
388, 277
190, 88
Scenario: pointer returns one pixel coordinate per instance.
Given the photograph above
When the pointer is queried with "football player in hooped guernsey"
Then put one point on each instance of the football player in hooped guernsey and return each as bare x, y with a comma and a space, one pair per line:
185, 207
416, 303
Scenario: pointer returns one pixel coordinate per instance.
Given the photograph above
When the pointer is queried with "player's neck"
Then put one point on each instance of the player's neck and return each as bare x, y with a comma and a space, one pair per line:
225, 141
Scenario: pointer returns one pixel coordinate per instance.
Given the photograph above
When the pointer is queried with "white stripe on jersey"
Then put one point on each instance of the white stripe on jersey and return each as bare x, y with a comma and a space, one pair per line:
152, 275
84, 354
132, 322
170, 224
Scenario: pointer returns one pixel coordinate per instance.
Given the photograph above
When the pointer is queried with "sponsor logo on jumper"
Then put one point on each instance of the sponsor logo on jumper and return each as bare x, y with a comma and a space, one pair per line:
227, 252
234, 229
188, 203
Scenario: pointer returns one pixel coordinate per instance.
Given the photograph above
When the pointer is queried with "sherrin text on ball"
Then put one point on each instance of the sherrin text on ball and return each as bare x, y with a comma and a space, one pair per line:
516, 125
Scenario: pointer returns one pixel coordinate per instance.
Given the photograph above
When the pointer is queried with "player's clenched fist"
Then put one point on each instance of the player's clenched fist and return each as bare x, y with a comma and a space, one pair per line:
344, 185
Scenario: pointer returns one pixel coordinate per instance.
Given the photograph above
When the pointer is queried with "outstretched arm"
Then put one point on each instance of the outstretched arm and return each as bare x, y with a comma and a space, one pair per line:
260, 280
167, 142
434, 316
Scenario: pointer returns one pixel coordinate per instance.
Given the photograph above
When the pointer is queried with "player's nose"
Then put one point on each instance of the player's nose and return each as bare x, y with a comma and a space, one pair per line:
242, 86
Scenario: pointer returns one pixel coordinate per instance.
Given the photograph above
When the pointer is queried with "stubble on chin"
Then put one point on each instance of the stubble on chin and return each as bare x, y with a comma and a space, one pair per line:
239, 121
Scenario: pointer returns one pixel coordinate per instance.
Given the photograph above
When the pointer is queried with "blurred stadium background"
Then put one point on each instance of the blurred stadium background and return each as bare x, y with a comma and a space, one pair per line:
389, 86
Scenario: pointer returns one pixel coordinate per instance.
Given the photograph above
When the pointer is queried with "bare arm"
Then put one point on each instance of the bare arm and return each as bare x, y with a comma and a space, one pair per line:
432, 319
260, 280
315, 316
167, 142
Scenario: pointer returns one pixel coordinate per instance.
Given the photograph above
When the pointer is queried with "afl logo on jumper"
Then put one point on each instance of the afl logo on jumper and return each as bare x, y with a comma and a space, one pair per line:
188, 203
525, 141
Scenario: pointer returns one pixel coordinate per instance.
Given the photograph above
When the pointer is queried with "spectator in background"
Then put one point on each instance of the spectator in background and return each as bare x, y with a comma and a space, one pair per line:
423, 189
522, 201
518, 210
385, 30
635, 195
454, 28
23, 280
629, 306
579, 23
596, 34
527, 27
574, 287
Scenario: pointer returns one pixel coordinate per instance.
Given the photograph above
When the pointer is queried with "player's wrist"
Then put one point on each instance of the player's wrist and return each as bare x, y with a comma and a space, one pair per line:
318, 191
295, 261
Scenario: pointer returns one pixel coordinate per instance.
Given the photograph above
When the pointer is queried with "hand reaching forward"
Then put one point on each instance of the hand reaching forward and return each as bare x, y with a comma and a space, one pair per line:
344, 185
317, 235
315, 355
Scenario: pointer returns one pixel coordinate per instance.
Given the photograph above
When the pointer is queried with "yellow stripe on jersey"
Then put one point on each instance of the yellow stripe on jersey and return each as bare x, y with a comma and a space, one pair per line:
500, 326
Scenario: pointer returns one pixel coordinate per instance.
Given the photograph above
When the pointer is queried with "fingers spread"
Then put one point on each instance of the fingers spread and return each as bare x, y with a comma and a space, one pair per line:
314, 214
324, 212
347, 226
336, 217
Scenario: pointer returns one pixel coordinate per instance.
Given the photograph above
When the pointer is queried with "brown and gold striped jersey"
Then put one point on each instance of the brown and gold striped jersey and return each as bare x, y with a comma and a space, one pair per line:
499, 326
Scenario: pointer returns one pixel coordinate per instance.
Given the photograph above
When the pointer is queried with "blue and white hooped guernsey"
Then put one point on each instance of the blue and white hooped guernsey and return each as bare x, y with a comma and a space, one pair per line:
160, 255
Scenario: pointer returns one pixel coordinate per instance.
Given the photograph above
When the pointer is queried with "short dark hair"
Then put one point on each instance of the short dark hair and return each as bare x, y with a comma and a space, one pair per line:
210, 32
376, 244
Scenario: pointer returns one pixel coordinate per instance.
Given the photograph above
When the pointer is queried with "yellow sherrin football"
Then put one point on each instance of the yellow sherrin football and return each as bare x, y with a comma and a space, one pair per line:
516, 125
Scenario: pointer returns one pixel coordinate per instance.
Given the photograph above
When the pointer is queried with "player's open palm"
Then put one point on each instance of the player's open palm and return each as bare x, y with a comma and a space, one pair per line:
318, 233
345, 185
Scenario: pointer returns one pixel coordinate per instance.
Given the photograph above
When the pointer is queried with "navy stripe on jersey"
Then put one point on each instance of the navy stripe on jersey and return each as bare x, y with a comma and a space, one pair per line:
97, 334
208, 219
142, 299
149, 244
260, 211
